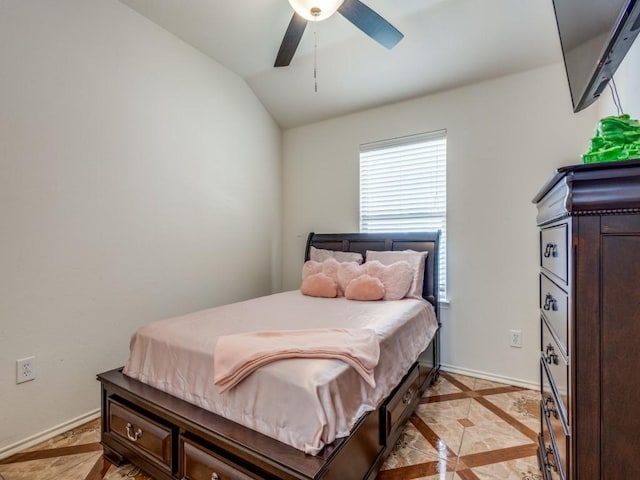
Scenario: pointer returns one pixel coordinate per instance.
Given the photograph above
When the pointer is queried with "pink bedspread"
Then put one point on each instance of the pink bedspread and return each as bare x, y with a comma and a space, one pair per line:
305, 403
236, 356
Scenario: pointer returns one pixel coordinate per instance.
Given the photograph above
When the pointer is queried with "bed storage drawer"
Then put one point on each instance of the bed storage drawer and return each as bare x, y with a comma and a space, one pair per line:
140, 433
553, 251
399, 406
198, 463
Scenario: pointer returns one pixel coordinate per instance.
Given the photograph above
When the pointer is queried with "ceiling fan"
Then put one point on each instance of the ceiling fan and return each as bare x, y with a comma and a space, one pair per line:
355, 11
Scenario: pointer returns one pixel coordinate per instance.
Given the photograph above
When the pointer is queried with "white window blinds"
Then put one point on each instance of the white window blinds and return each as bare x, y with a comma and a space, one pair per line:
403, 188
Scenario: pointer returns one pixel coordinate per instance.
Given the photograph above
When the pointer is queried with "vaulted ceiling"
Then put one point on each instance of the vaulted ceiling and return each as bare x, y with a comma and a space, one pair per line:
447, 43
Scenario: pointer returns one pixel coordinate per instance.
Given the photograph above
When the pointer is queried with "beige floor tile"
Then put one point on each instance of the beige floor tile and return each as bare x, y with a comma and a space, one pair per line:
407, 457
524, 406
481, 415
482, 384
521, 469
442, 387
47, 469
469, 382
451, 434
81, 470
438, 412
412, 449
446, 419
413, 439
87, 433
441, 476
444, 468
491, 436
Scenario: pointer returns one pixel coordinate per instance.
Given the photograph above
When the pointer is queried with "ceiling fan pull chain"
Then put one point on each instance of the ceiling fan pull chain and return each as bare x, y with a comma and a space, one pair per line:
315, 55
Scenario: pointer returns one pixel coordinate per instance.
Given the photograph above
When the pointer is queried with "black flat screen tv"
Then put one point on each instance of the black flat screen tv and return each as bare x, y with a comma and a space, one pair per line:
595, 36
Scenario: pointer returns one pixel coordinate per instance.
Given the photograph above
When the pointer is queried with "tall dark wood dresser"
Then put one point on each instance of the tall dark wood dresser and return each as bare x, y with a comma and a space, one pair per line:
589, 221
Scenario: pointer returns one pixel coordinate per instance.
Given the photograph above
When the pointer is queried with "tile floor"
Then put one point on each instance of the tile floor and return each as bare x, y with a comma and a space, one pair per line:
467, 429
464, 429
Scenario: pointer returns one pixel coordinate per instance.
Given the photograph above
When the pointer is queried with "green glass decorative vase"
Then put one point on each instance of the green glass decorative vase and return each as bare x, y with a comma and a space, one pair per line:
616, 138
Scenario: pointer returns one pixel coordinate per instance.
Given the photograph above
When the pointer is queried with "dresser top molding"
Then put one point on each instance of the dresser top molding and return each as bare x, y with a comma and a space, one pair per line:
592, 189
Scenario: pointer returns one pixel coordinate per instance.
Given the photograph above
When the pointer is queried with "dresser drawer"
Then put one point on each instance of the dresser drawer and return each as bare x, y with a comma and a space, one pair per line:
198, 463
549, 457
553, 250
396, 410
140, 433
554, 304
556, 366
556, 423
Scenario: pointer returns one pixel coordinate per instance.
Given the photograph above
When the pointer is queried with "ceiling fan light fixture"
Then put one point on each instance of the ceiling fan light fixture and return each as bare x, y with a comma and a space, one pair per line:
315, 10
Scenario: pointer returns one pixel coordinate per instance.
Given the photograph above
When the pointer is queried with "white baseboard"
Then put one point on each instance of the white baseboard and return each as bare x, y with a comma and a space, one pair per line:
492, 377
48, 434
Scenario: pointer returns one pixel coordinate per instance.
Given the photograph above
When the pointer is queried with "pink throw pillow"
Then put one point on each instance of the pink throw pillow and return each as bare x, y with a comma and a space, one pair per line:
347, 271
320, 255
319, 285
397, 278
366, 288
328, 267
417, 260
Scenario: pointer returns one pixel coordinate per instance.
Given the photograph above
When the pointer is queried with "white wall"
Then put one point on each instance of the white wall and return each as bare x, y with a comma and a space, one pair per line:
138, 180
505, 137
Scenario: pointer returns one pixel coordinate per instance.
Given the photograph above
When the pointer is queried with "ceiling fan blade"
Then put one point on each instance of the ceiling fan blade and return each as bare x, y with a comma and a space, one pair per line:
371, 23
290, 41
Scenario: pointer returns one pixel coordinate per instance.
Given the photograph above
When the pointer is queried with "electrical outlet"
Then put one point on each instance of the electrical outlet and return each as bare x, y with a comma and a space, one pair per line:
25, 370
515, 338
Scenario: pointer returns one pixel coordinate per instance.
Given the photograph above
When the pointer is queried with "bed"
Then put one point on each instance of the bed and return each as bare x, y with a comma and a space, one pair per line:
183, 438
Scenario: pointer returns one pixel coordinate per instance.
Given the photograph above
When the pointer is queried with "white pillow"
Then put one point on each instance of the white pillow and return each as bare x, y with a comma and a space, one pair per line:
417, 261
320, 255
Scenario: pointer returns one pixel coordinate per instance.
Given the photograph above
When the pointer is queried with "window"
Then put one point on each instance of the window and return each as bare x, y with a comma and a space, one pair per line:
403, 188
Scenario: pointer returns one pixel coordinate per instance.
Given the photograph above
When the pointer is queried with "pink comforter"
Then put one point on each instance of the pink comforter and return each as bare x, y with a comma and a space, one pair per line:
306, 403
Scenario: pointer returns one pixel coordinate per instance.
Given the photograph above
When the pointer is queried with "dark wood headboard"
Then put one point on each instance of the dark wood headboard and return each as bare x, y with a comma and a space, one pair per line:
361, 242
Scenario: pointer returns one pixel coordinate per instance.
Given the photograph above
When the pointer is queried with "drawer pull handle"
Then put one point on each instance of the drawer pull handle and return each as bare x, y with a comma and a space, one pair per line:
548, 452
550, 355
550, 303
215, 476
548, 411
407, 397
134, 437
551, 250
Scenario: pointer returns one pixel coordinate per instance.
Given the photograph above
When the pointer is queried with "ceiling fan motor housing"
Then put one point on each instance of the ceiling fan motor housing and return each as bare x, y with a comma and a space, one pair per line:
315, 10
